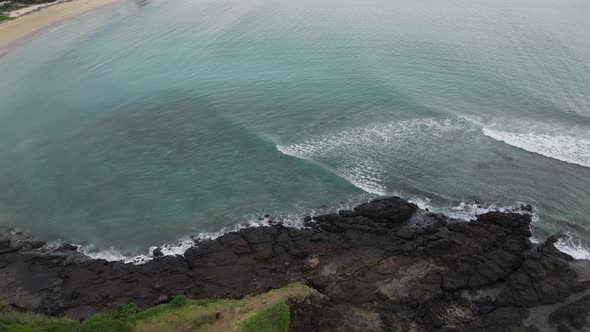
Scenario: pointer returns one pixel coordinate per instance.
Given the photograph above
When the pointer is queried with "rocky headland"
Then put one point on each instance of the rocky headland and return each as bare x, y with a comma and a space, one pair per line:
384, 266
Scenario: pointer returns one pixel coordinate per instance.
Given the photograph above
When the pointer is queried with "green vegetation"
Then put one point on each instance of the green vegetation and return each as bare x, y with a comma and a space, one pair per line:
274, 319
266, 312
11, 320
4, 17
178, 301
17, 4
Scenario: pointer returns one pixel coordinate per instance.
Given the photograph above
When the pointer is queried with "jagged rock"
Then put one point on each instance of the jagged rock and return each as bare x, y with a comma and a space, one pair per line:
389, 210
545, 277
36, 244
384, 266
68, 246
157, 252
4, 243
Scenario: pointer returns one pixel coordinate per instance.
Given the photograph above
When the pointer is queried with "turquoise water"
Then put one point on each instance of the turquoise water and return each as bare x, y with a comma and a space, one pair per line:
148, 121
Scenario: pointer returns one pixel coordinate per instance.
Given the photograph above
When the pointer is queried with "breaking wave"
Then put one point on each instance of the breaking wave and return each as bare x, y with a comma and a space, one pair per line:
573, 247
569, 149
360, 155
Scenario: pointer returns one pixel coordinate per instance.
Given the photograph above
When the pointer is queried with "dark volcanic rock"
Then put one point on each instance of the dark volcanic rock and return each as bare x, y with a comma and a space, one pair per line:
158, 252
388, 210
68, 246
575, 313
384, 266
4, 243
8, 250
36, 244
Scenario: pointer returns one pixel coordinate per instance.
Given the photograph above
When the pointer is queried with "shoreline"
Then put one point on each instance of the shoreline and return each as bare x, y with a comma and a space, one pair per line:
468, 212
374, 266
567, 242
30, 25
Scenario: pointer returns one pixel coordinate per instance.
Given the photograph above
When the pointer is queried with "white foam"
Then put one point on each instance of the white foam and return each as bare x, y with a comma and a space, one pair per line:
365, 175
113, 255
362, 155
467, 211
172, 250
573, 247
570, 149
293, 219
462, 211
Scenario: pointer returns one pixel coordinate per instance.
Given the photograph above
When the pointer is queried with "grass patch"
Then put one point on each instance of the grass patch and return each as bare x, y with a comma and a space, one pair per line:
10, 320
266, 312
116, 320
275, 318
4, 17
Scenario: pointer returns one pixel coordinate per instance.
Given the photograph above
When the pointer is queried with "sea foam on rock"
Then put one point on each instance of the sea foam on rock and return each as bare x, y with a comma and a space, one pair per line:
384, 266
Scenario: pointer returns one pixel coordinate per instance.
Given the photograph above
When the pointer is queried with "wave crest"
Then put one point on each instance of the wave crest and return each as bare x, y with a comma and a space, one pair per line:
359, 155
569, 149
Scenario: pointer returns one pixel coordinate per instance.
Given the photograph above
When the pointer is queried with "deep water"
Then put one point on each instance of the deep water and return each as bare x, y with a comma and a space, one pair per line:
147, 121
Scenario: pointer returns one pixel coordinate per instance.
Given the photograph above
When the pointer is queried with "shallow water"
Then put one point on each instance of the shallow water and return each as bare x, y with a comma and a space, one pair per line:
144, 122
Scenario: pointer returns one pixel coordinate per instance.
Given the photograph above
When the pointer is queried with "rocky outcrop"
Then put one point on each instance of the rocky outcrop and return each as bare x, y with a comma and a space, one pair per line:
575, 314
384, 266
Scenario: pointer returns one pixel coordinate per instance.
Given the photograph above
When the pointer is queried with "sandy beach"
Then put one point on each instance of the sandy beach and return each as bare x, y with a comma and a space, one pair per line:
26, 27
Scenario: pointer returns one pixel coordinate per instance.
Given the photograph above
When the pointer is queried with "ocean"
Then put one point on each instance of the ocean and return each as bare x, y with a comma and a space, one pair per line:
149, 121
